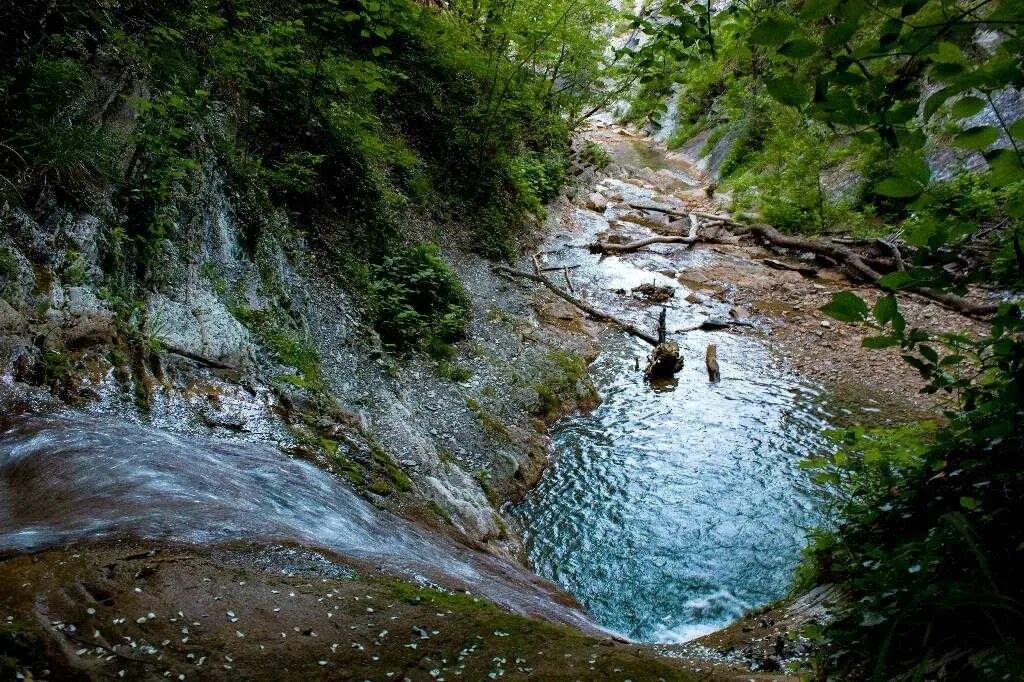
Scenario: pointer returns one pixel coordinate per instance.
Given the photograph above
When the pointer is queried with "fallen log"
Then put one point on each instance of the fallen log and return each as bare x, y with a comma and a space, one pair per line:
856, 265
579, 303
678, 214
711, 362
630, 247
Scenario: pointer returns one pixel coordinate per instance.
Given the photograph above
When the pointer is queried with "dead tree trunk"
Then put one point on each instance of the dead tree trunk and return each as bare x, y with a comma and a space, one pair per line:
711, 361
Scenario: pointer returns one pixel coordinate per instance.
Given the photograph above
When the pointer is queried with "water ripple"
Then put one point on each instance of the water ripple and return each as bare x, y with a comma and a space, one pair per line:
669, 514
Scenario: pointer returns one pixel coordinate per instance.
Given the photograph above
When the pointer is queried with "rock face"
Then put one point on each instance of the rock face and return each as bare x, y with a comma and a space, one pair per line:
663, 362
81, 318
200, 326
211, 344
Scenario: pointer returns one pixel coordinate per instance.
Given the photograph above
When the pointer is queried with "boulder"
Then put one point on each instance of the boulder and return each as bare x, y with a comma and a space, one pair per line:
716, 323
200, 327
88, 319
597, 202
697, 297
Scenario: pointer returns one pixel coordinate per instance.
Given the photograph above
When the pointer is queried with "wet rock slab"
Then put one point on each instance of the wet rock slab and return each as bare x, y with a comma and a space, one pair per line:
148, 611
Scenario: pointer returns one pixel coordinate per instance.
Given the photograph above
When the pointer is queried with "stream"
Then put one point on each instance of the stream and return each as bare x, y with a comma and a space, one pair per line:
670, 512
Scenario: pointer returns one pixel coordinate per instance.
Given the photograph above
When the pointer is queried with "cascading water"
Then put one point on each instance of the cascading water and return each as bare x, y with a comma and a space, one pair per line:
68, 478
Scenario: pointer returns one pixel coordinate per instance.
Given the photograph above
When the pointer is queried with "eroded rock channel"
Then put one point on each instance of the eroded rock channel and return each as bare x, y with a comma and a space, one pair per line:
668, 510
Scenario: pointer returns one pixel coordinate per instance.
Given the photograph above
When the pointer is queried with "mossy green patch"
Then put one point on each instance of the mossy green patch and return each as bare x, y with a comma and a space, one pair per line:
492, 426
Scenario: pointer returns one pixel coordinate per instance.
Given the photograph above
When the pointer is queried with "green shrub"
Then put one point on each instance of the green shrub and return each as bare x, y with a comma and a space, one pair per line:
453, 372
492, 426
49, 133
416, 300
596, 155
538, 179
73, 270
289, 347
560, 383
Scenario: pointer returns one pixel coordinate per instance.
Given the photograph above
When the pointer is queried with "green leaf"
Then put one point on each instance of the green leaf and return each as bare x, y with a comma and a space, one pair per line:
1016, 208
929, 353
1017, 129
967, 106
937, 100
901, 113
895, 280
787, 91
846, 307
840, 33
912, 167
816, 9
771, 32
948, 71
885, 309
977, 138
1004, 167
876, 342
898, 188
912, 7
798, 48
947, 53
968, 503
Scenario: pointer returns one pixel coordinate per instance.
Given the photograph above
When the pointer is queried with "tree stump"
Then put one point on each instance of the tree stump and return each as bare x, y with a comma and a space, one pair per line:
663, 362
711, 360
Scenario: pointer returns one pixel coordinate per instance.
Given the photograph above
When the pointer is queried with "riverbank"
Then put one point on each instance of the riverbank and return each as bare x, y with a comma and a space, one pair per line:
784, 304
144, 610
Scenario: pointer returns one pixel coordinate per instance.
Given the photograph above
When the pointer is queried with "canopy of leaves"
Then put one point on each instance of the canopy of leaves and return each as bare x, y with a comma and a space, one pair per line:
350, 116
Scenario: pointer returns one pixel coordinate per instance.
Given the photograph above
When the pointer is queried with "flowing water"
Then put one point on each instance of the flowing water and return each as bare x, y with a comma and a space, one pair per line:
670, 512
70, 478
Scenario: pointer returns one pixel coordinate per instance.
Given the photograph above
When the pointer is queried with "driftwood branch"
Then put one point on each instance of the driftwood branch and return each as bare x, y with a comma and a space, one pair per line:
864, 268
630, 247
779, 265
579, 303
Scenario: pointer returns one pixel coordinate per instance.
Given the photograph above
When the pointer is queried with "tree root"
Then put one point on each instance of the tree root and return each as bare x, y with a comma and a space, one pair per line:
860, 269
